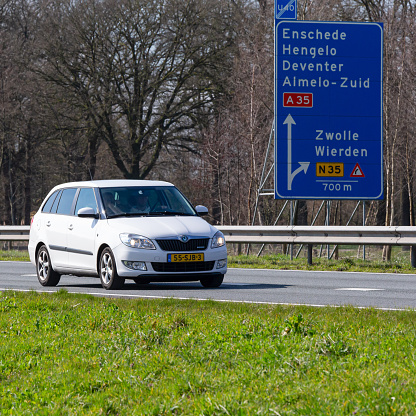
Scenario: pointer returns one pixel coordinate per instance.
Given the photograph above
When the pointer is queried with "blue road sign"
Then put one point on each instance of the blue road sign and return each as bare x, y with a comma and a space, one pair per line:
285, 9
328, 110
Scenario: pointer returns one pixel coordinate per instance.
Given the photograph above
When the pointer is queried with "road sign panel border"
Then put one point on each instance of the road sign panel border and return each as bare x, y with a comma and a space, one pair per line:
378, 194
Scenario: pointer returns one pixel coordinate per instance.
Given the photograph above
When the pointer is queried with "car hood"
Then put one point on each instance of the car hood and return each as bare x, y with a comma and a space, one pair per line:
163, 227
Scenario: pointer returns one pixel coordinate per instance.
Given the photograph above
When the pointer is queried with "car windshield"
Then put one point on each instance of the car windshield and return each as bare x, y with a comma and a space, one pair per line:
144, 201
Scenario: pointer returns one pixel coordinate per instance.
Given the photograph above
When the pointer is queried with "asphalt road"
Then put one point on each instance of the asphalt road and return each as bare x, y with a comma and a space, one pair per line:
386, 291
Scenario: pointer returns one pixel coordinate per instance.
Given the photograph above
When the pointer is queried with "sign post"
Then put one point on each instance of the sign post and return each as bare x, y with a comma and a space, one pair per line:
328, 110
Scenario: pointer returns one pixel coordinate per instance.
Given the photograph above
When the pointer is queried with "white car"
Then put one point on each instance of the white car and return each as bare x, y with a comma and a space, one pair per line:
125, 229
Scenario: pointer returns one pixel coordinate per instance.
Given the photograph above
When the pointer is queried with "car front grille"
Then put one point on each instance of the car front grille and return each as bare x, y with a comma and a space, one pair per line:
197, 266
197, 244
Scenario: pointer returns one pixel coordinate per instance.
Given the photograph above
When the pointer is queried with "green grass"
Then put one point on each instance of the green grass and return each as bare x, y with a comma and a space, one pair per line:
348, 261
14, 255
63, 354
283, 262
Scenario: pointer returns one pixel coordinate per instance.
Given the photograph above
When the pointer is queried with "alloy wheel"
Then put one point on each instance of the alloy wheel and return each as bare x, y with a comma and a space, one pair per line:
43, 265
106, 268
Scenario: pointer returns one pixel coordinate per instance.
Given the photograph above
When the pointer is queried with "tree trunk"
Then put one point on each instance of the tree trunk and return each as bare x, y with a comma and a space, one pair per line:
28, 178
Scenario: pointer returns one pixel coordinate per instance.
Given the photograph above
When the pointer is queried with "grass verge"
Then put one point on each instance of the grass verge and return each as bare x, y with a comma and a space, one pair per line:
14, 255
65, 354
399, 264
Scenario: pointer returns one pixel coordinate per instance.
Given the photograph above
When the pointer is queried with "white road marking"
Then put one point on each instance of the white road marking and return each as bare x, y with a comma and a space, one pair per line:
130, 296
359, 289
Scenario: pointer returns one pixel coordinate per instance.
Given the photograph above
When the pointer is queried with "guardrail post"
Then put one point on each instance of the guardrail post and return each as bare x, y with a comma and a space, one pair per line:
413, 256
310, 254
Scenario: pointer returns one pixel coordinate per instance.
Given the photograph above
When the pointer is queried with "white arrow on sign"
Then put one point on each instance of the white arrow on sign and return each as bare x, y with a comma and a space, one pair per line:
303, 165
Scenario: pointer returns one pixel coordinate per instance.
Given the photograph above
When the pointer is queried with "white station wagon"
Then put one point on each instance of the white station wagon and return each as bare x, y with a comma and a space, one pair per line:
125, 229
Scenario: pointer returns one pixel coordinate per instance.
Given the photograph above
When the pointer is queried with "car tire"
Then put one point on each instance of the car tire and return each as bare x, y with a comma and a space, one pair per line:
212, 281
47, 276
108, 271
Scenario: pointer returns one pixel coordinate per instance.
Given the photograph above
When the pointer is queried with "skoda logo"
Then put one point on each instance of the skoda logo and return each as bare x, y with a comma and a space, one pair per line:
184, 238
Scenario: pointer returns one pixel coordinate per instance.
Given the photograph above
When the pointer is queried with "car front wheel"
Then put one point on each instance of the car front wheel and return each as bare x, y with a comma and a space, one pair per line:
108, 271
47, 276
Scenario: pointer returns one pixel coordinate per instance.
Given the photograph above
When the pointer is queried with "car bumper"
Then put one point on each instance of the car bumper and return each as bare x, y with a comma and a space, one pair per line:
158, 267
31, 249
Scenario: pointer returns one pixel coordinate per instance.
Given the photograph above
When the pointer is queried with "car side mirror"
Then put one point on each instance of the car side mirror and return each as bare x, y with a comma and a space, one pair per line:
87, 212
201, 210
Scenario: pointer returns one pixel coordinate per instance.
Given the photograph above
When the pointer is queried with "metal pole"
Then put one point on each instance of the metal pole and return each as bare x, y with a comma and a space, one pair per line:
363, 224
291, 223
266, 157
310, 262
328, 212
261, 179
277, 219
312, 223
413, 256
348, 223
326, 223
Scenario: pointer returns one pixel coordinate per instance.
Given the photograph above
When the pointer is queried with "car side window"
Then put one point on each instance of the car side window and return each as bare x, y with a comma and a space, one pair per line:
49, 202
86, 198
56, 202
65, 203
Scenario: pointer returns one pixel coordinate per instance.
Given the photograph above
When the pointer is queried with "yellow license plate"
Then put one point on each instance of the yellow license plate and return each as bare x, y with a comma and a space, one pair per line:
188, 257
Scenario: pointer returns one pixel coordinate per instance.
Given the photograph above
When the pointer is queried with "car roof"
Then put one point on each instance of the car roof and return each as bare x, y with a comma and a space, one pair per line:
111, 183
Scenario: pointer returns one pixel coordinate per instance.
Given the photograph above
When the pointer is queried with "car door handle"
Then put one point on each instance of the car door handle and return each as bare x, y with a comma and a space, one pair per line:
70, 227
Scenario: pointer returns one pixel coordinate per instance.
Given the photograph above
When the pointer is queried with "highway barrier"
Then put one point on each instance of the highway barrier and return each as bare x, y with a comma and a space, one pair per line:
325, 235
289, 234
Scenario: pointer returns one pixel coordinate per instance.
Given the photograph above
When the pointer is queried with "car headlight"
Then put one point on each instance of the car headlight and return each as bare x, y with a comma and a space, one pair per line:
137, 241
218, 240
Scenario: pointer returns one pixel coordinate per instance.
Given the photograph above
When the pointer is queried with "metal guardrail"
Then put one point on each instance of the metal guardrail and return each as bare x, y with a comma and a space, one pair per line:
286, 234
328, 235
14, 232
295, 234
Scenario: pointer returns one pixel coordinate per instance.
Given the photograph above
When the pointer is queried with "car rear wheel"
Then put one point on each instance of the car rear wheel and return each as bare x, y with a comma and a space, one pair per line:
47, 276
212, 281
108, 271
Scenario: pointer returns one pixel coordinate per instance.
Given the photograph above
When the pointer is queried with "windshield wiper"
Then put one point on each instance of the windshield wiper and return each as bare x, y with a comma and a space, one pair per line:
146, 214
173, 213
129, 214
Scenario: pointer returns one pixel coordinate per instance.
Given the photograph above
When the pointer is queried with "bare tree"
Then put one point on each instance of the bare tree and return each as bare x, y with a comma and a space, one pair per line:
22, 126
234, 144
145, 72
